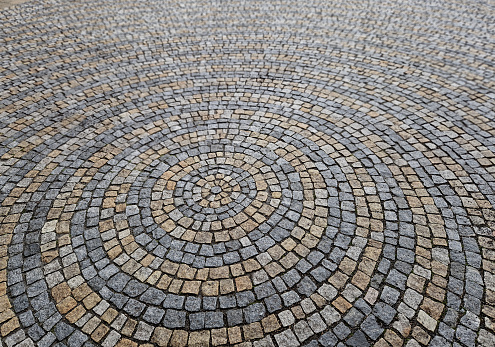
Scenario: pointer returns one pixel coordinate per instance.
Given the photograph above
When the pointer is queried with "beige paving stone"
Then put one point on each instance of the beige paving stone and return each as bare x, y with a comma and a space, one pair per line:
179, 338
126, 343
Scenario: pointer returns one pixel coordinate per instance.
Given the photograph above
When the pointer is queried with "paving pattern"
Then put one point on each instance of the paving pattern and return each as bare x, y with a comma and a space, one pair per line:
7, 3
260, 173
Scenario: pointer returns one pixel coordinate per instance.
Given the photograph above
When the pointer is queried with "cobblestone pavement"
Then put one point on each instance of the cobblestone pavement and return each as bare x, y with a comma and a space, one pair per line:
7, 3
261, 173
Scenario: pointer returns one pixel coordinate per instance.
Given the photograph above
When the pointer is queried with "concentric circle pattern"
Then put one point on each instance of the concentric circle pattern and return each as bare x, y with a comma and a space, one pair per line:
252, 173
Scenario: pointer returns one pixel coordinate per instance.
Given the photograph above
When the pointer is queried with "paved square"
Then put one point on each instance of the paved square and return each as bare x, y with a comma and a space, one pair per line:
252, 173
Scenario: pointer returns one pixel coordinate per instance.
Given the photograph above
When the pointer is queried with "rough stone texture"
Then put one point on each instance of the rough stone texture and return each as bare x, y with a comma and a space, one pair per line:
251, 172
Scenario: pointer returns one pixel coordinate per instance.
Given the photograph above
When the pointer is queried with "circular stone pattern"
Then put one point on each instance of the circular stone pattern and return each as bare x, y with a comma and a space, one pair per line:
247, 173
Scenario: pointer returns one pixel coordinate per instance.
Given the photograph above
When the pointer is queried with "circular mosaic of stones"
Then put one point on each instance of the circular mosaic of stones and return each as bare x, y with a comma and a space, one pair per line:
253, 173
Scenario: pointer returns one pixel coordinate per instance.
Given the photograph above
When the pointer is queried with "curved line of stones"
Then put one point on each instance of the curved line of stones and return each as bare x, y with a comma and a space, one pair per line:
444, 85
460, 145
485, 153
222, 245
475, 290
317, 34
223, 229
265, 231
225, 190
397, 126
227, 211
258, 153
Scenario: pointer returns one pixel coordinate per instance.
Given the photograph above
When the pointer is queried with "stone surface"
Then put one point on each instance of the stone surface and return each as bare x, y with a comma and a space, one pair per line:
260, 173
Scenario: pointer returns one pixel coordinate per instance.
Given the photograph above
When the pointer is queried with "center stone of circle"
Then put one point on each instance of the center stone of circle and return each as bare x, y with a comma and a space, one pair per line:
216, 189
